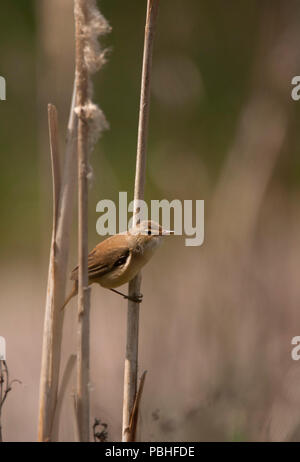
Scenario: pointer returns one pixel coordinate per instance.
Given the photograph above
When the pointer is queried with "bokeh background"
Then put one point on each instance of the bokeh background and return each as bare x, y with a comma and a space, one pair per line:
216, 320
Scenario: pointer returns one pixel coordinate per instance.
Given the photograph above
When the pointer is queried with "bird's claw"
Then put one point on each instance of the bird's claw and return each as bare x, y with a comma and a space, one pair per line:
135, 299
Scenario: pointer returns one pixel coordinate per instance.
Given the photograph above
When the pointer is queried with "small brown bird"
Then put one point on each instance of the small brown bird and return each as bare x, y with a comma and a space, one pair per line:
119, 258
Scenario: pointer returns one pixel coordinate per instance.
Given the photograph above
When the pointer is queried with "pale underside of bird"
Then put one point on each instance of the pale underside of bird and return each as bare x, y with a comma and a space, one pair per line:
119, 258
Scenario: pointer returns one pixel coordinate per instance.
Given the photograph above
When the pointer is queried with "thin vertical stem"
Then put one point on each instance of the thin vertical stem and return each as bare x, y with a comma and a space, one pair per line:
82, 399
131, 361
53, 323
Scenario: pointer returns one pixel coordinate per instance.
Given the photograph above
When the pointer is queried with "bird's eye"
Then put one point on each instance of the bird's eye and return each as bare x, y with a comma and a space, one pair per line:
149, 232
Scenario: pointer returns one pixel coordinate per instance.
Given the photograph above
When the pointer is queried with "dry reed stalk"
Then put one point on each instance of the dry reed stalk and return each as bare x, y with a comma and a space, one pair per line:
62, 216
94, 57
76, 421
83, 354
131, 360
136, 407
89, 25
66, 377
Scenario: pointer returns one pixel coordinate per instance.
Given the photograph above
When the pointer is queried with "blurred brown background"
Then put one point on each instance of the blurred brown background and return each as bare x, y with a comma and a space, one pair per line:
216, 320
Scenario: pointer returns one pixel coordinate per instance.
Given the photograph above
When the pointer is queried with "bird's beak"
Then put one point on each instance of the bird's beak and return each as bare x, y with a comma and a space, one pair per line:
166, 232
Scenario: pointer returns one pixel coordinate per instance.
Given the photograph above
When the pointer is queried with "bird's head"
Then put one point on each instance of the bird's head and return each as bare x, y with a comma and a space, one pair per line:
149, 233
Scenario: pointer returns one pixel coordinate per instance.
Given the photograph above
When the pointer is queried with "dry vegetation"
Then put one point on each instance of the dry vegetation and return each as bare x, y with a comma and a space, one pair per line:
215, 335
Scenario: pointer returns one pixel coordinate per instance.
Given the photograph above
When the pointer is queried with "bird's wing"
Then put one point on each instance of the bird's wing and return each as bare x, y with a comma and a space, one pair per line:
105, 257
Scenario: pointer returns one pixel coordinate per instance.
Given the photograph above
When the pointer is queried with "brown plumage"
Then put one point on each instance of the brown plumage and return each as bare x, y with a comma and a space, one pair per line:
118, 259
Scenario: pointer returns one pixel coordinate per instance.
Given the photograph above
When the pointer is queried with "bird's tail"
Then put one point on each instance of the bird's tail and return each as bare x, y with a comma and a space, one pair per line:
71, 295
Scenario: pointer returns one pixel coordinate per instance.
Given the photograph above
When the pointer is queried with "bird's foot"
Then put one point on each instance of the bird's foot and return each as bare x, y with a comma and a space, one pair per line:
136, 299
